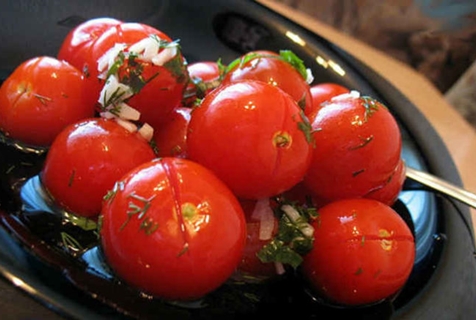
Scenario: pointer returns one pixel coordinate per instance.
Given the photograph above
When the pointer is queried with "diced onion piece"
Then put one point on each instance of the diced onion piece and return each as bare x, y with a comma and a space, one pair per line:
107, 115
127, 112
264, 214
114, 87
279, 268
146, 131
292, 213
165, 55
352, 94
147, 48
309, 77
129, 126
306, 229
107, 59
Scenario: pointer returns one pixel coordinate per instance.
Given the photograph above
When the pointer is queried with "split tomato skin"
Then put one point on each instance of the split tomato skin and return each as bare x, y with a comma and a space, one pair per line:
252, 135
357, 149
267, 66
364, 252
186, 238
388, 193
86, 159
40, 98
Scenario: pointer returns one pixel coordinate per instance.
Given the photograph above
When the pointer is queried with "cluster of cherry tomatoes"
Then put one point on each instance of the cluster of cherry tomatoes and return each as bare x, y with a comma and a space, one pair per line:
198, 171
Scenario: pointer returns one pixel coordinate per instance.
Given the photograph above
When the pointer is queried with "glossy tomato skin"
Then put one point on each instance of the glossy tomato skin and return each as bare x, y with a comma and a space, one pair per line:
204, 77
86, 159
105, 37
76, 46
323, 92
171, 138
266, 66
164, 84
250, 264
363, 253
251, 135
187, 240
358, 147
76, 49
388, 192
40, 98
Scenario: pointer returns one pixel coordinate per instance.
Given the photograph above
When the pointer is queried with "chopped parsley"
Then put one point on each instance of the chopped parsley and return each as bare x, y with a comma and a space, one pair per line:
294, 238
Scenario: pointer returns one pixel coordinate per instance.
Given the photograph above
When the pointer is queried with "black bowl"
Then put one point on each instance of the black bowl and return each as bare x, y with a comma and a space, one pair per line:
79, 285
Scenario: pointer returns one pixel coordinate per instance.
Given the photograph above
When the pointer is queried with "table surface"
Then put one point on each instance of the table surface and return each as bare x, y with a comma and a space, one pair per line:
457, 134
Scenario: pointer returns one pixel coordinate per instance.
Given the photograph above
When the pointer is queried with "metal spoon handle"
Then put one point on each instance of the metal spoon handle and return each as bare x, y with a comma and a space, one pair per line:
442, 186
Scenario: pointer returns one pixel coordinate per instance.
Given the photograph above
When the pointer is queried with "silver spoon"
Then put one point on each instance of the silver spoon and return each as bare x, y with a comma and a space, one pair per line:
442, 186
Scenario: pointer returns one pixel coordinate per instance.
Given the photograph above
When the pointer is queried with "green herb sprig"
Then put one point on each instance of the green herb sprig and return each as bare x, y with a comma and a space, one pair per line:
294, 238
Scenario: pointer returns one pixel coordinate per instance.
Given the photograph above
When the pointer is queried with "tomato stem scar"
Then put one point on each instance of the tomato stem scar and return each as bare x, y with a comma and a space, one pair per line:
282, 139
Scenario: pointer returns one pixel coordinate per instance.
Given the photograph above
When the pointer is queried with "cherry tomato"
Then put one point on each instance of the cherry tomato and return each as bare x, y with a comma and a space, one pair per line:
204, 77
253, 136
76, 46
86, 159
323, 92
171, 228
389, 191
269, 67
76, 49
148, 62
363, 253
39, 99
358, 147
171, 138
261, 226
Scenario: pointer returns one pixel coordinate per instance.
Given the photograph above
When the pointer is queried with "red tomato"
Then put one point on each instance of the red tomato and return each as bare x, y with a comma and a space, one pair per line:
268, 67
86, 159
358, 148
39, 99
389, 191
184, 236
157, 81
363, 253
204, 77
323, 92
76, 49
77, 44
171, 138
253, 136
261, 226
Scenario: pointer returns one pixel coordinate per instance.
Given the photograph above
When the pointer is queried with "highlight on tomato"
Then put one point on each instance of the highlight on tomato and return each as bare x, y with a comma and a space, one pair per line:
357, 149
76, 49
170, 139
323, 92
172, 229
39, 99
284, 70
364, 253
204, 77
253, 136
86, 159
141, 68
